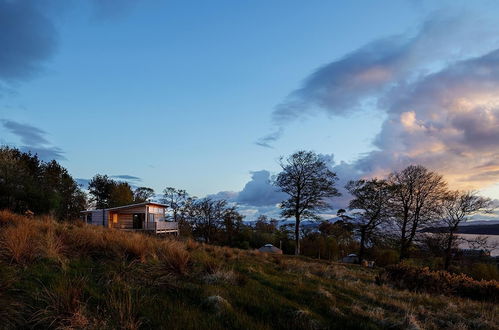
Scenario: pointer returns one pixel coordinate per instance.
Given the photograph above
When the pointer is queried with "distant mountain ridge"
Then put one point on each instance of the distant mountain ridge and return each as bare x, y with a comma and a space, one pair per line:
475, 229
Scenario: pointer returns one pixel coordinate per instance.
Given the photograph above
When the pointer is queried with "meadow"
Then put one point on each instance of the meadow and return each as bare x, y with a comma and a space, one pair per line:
69, 275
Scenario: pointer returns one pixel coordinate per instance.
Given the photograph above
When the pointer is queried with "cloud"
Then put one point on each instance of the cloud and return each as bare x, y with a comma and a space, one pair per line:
27, 38
267, 140
259, 191
28, 134
45, 153
439, 89
358, 80
447, 120
126, 177
33, 140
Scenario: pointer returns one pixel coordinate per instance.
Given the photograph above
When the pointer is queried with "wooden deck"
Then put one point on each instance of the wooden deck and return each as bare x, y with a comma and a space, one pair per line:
162, 227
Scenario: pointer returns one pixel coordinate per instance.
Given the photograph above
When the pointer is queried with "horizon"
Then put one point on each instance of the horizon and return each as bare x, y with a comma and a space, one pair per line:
209, 96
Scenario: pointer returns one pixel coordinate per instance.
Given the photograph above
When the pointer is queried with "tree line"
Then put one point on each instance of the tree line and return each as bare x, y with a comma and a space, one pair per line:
399, 206
389, 211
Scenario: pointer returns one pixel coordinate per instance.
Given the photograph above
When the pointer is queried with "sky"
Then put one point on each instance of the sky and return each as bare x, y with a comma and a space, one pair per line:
207, 95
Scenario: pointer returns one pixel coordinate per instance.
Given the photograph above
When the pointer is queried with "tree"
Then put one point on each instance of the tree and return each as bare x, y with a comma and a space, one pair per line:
308, 181
416, 195
207, 215
100, 188
177, 200
143, 194
371, 203
121, 194
457, 207
232, 223
62, 192
28, 183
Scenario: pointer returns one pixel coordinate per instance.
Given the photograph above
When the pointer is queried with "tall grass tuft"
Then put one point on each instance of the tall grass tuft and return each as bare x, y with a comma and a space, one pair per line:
17, 243
63, 305
173, 256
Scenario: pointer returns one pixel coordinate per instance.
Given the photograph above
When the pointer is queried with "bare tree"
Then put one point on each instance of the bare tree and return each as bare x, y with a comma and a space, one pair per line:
208, 215
416, 195
457, 207
176, 199
143, 194
308, 181
371, 206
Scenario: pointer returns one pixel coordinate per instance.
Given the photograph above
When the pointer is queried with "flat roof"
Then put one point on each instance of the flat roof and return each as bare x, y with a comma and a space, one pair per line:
128, 206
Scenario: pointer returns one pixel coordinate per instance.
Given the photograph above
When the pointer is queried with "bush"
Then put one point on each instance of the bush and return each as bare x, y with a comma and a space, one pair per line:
423, 279
484, 271
385, 257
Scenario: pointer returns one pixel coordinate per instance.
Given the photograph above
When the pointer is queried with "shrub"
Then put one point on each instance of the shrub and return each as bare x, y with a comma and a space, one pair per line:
385, 257
423, 279
484, 271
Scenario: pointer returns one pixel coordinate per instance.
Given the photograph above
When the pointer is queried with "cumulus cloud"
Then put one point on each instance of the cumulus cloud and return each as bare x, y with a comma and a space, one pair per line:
346, 85
447, 120
32, 139
439, 88
259, 191
361, 78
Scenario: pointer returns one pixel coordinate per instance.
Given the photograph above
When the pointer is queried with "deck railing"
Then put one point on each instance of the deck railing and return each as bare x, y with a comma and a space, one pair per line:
162, 226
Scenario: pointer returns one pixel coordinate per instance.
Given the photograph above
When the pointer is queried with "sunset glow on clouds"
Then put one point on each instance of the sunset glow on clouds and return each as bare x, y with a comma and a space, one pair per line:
441, 101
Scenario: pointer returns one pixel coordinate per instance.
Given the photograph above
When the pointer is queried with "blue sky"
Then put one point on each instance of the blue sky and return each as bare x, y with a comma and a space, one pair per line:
177, 93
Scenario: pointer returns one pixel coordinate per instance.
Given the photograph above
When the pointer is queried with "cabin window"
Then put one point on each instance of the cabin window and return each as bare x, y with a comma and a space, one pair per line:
151, 217
115, 218
89, 218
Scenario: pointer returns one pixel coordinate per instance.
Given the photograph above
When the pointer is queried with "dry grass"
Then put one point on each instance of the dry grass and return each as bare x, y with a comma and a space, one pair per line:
104, 278
17, 242
64, 306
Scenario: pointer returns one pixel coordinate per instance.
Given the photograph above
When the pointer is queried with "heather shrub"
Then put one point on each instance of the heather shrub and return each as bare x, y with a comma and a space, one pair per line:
442, 282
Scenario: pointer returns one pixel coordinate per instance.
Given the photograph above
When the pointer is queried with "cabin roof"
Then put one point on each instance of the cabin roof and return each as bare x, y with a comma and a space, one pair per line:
128, 206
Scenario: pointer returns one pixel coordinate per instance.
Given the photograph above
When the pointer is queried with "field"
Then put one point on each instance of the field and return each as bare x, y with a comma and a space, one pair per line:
74, 276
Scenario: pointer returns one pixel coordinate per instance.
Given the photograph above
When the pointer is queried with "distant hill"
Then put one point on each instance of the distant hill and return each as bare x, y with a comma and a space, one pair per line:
475, 229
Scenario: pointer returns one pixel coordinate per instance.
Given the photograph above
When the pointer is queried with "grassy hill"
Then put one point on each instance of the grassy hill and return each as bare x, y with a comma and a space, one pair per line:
62, 275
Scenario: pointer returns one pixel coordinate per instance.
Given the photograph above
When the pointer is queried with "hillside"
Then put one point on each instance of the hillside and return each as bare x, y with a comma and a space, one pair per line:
61, 275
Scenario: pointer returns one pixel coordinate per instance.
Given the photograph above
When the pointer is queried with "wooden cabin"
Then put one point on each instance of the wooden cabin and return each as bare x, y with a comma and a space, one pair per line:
147, 216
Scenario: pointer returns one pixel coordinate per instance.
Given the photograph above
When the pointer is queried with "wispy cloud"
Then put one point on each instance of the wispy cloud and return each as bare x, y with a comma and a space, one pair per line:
28, 134
126, 177
267, 140
32, 139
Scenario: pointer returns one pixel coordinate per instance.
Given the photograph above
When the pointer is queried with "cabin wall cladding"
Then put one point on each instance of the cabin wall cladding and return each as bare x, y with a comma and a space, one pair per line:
124, 217
153, 215
99, 218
